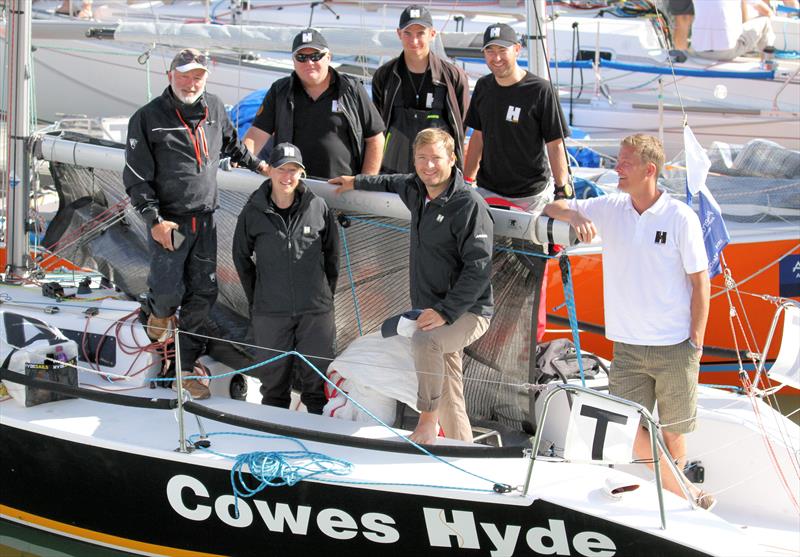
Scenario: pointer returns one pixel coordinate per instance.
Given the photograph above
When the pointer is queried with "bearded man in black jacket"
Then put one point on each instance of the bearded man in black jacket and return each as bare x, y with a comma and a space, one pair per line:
172, 154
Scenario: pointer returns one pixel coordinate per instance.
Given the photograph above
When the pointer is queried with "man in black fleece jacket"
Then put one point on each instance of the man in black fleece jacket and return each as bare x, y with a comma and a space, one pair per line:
450, 270
172, 155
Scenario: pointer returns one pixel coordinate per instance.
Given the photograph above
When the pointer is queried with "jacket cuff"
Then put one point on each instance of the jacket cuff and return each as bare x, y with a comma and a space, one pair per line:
439, 308
151, 215
256, 162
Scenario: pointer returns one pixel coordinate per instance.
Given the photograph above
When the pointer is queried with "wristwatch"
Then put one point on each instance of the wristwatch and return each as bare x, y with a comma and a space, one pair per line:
565, 191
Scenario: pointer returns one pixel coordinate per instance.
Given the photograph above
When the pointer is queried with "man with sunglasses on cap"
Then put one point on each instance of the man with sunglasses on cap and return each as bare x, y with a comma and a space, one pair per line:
517, 126
172, 154
418, 90
326, 114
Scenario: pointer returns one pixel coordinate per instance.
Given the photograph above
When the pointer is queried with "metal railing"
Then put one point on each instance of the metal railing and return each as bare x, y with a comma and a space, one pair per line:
656, 441
762, 362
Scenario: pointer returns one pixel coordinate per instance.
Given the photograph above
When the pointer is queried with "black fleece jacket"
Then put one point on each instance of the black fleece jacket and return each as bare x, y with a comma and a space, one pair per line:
452, 239
296, 265
386, 85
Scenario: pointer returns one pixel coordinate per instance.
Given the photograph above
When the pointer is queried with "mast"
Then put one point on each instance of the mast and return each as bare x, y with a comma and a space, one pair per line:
17, 109
537, 63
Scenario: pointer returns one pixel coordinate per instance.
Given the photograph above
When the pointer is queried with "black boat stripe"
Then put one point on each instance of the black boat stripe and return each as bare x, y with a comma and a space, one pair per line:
466, 451
463, 451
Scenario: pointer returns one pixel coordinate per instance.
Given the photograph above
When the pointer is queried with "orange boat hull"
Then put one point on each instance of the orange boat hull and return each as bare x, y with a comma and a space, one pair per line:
756, 270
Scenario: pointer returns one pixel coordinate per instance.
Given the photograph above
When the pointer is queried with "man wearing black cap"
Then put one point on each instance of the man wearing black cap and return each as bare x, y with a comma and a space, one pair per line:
452, 234
286, 251
172, 155
517, 126
418, 90
328, 115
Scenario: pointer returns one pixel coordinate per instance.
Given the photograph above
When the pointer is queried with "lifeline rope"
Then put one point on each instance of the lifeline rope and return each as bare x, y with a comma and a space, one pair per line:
497, 486
352, 280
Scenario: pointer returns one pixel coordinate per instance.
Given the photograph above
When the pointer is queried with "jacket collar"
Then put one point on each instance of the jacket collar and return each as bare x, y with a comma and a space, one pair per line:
260, 198
189, 111
434, 64
456, 184
336, 81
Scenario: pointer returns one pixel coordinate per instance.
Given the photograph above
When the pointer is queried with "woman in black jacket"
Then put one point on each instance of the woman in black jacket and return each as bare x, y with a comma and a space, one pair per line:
286, 251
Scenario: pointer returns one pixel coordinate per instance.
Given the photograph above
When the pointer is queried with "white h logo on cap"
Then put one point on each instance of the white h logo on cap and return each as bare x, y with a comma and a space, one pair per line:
413, 13
494, 32
288, 151
307, 37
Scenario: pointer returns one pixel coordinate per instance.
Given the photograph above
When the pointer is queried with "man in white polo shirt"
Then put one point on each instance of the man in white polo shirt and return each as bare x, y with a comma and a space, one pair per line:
656, 291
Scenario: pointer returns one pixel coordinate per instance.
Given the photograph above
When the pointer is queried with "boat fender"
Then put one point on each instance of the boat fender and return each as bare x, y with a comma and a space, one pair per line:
551, 231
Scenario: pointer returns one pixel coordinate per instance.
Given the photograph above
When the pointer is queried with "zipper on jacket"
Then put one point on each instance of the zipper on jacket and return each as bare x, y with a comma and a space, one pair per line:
291, 279
288, 228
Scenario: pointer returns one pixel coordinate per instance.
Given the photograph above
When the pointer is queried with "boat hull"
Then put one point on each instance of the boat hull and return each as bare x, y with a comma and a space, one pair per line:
167, 506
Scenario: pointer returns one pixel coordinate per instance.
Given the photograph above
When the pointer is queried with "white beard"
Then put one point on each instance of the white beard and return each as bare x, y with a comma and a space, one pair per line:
187, 100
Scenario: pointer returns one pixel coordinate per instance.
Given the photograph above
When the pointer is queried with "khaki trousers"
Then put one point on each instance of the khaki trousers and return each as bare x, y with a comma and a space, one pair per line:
437, 358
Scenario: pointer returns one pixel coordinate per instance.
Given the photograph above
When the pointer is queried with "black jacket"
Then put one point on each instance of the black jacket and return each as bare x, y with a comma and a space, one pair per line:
386, 85
347, 97
296, 267
172, 154
451, 244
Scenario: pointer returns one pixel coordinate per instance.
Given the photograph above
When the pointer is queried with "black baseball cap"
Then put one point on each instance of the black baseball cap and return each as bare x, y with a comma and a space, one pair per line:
285, 153
415, 15
501, 35
309, 38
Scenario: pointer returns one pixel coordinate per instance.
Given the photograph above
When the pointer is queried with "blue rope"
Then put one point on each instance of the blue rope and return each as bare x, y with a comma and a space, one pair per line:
287, 468
569, 298
525, 252
734, 388
352, 280
420, 448
230, 373
380, 224
276, 468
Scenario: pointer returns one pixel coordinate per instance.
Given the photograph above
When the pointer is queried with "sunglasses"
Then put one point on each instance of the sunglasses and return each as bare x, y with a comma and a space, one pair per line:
187, 57
316, 57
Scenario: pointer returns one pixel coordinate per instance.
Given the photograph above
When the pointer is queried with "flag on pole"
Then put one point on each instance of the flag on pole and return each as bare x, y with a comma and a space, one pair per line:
715, 233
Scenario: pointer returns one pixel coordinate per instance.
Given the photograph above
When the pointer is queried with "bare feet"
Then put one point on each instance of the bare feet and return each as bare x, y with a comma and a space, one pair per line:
427, 428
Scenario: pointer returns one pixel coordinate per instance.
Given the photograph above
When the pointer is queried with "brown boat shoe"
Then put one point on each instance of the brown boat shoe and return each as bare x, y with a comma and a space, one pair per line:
706, 501
159, 329
196, 389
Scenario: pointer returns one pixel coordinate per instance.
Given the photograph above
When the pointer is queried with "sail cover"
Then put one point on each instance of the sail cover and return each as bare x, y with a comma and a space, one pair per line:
95, 227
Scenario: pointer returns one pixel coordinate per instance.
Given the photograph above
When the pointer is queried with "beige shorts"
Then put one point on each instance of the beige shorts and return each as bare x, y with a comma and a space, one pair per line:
666, 375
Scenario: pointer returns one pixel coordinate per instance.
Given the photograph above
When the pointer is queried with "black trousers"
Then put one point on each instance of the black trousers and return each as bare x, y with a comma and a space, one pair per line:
310, 334
186, 278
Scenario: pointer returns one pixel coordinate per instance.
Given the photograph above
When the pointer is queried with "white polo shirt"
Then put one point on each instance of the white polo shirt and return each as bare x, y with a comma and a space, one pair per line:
646, 262
717, 24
